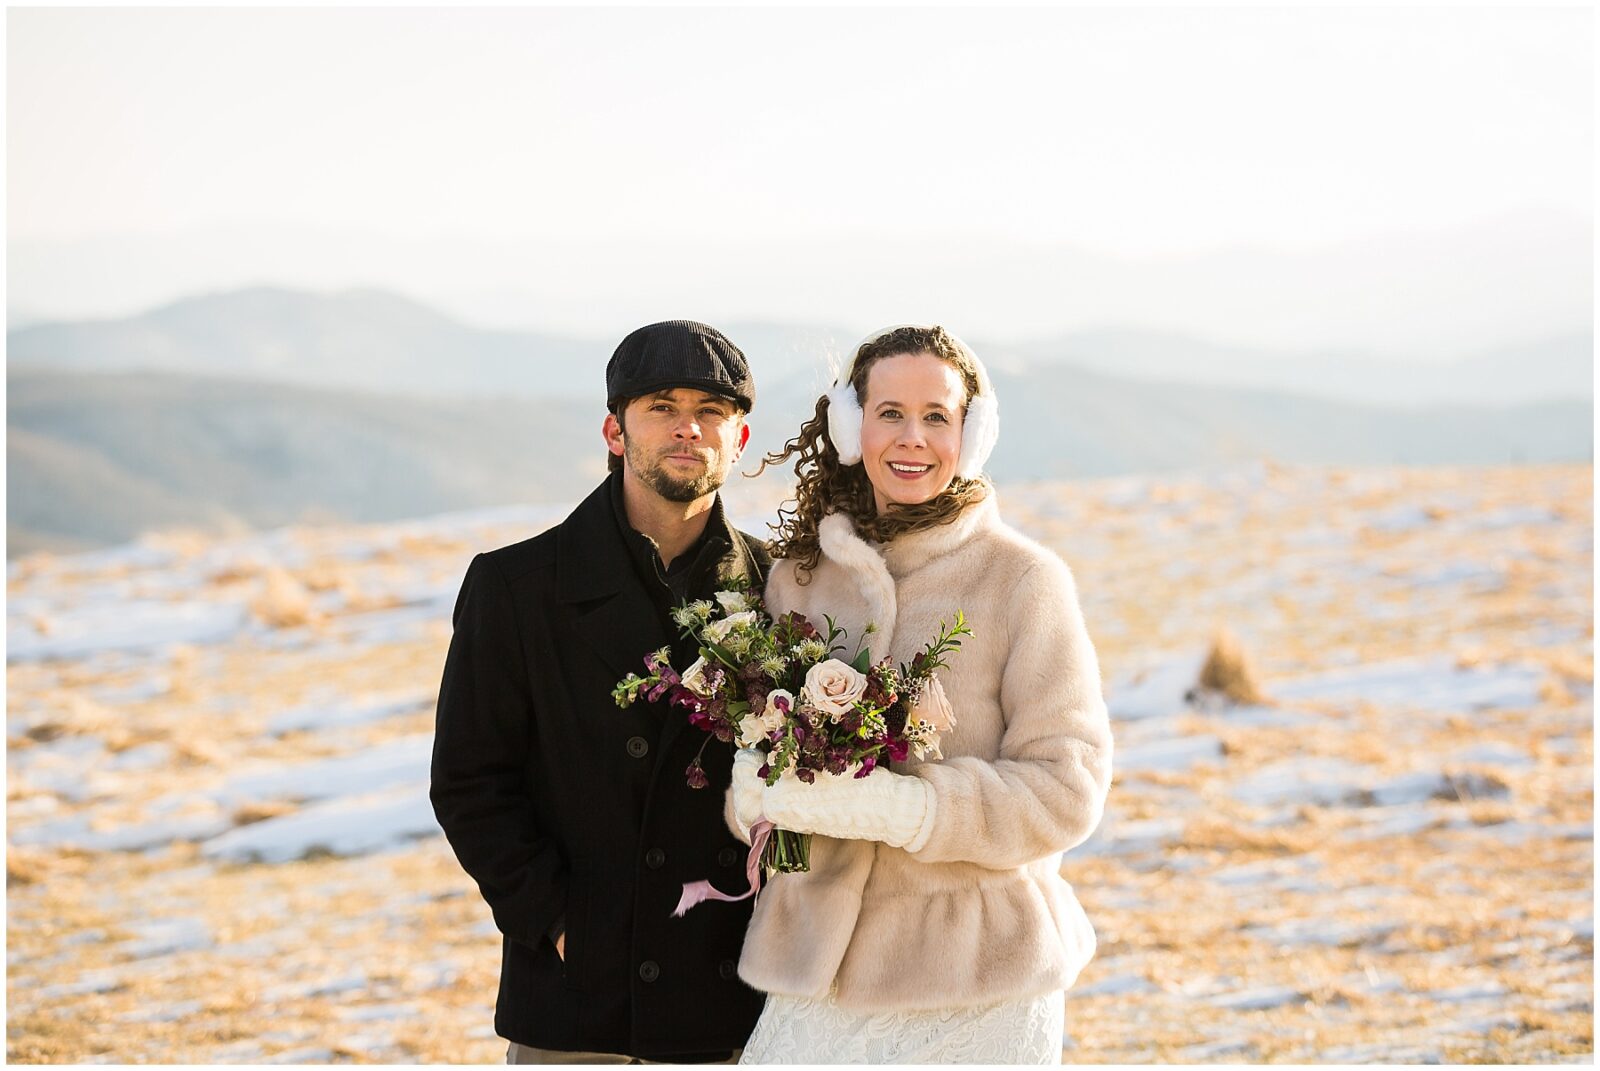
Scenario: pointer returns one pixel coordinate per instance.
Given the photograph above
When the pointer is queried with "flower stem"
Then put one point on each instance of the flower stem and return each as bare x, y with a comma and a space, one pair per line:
787, 852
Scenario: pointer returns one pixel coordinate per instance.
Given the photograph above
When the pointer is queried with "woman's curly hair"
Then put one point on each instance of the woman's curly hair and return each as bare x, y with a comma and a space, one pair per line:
825, 486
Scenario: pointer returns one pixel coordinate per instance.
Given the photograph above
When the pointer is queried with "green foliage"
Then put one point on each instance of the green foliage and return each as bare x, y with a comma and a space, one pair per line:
626, 693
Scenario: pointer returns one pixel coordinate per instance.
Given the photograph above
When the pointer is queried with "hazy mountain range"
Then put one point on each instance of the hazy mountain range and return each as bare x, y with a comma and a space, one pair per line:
94, 460
267, 406
379, 340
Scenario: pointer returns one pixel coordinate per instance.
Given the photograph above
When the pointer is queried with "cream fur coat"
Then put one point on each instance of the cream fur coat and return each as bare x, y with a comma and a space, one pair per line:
978, 913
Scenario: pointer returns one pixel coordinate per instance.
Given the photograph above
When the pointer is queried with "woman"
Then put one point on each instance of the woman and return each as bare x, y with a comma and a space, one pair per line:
933, 926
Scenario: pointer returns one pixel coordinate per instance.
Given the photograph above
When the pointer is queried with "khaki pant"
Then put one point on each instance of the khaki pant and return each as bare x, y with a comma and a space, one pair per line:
527, 1054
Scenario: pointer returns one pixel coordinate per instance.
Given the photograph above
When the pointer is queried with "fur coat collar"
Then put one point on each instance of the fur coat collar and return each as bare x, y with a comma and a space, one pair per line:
878, 566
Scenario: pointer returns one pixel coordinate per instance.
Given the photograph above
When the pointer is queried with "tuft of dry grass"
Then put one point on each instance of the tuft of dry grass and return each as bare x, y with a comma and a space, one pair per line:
260, 811
1230, 671
283, 601
24, 867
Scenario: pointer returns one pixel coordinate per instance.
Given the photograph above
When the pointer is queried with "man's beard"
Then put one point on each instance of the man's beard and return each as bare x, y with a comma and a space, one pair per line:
672, 488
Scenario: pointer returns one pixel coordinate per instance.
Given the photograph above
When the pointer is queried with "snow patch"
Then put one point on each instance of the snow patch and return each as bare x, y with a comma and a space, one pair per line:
1157, 691
1179, 753
1258, 999
353, 825
1430, 684
325, 716
123, 626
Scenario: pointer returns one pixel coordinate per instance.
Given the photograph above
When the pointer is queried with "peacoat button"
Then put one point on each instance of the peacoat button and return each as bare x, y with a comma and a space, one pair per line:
638, 746
655, 858
728, 857
727, 969
649, 970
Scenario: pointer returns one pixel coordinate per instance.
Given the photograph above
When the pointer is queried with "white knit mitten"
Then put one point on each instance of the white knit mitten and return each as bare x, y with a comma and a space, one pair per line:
747, 789
893, 808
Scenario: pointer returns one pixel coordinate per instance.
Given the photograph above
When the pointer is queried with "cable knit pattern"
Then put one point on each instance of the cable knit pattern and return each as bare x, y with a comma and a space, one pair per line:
883, 806
978, 914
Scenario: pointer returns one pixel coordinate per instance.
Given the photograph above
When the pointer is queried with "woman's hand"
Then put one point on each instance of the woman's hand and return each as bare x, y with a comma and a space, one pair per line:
884, 806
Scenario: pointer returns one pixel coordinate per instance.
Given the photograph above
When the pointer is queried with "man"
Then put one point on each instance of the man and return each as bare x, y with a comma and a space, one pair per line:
574, 816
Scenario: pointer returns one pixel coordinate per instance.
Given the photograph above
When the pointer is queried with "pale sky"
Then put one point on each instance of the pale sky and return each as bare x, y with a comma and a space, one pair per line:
1126, 135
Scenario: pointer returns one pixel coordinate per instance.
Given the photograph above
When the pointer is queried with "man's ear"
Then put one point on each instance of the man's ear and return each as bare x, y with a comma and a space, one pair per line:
612, 430
744, 437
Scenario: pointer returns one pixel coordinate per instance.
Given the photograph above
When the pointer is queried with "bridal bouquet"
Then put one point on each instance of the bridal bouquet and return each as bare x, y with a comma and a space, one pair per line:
776, 685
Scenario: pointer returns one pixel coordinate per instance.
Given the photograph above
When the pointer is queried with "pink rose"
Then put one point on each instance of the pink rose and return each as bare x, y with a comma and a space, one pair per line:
833, 687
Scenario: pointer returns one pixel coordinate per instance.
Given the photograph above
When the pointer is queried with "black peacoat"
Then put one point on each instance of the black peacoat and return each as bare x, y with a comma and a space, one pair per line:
566, 809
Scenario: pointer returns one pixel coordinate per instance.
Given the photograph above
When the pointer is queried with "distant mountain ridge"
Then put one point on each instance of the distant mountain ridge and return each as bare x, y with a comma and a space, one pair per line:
1558, 368
370, 340
379, 340
95, 460
269, 407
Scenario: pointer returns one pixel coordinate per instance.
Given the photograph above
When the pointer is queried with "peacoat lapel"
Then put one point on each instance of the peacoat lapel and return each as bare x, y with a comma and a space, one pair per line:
615, 615
613, 612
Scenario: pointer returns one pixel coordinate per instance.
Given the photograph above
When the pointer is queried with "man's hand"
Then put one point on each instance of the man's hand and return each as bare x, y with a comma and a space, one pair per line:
561, 947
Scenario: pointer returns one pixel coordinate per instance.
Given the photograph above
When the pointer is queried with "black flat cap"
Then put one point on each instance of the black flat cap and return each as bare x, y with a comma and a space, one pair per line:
678, 353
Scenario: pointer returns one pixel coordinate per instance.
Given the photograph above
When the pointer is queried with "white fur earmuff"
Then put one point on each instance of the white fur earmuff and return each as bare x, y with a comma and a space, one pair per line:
844, 420
980, 430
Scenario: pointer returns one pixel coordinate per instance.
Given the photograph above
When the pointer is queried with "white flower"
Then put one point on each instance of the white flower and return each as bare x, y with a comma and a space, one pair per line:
774, 666
694, 679
754, 728
738, 644
733, 602
718, 631
810, 650
833, 687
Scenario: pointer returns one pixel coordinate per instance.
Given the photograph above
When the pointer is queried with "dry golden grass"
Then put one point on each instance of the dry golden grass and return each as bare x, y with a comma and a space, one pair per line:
283, 601
1229, 670
1459, 900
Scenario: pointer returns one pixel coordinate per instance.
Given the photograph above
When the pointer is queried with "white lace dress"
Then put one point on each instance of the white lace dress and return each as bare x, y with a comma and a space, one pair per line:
799, 1031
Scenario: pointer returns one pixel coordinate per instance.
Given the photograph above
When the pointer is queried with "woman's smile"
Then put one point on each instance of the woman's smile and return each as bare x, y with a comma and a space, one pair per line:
911, 428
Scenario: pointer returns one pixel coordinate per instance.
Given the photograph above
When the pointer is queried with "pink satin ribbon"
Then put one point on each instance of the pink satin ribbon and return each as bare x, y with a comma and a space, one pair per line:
696, 892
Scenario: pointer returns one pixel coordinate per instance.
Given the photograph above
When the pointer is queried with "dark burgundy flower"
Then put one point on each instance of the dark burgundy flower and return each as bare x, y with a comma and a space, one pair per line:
868, 764
799, 626
804, 774
873, 694
696, 775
